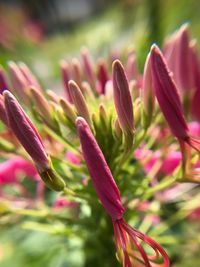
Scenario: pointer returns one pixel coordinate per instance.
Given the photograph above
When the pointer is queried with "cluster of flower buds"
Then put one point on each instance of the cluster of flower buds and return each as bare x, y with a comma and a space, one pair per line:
118, 120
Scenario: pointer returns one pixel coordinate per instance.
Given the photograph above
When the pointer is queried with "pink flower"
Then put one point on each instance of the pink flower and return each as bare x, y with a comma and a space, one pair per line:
10, 169
64, 203
73, 158
127, 239
195, 214
168, 164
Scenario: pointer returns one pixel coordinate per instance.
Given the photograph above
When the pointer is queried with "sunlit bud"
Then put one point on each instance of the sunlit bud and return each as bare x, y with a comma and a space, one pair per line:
87, 91
147, 93
52, 180
147, 88
41, 105
79, 101
20, 85
68, 110
122, 99
53, 96
76, 71
109, 89
65, 73
117, 129
30, 77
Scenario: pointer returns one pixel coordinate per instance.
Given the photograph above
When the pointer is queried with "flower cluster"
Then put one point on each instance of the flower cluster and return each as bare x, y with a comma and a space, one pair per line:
115, 123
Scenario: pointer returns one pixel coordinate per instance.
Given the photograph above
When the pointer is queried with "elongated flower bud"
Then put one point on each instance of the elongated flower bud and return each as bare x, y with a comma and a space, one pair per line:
25, 131
104, 183
65, 79
19, 82
87, 66
167, 94
122, 99
52, 96
102, 74
79, 101
178, 57
147, 88
68, 110
184, 68
3, 81
131, 67
126, 237
42, 105
168, 99
195, 107
28, 136
76, 71
30, 77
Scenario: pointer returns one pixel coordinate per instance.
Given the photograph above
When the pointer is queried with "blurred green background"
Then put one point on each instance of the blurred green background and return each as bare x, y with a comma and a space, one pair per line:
41, 33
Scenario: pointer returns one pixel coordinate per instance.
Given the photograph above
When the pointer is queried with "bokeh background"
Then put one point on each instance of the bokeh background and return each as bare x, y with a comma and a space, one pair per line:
41, 33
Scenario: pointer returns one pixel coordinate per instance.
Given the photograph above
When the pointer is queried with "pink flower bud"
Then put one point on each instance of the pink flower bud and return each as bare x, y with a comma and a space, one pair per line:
19, 82
68, 110
42, 106
87, 66
147, 88
178, 56
30, 78
195, 108
167, 94
102, 75
65, 78
103, 181
79, 101
131, 67
25, 131
3, 81
76, 71
122, 98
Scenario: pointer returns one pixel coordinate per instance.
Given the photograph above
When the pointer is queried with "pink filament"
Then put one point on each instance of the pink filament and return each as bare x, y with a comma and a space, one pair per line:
131, 251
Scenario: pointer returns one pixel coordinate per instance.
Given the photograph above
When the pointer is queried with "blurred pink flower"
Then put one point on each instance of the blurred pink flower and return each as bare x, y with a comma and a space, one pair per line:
72, 158
64, 203
12, 168
195, 214
169, 163
194, 128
